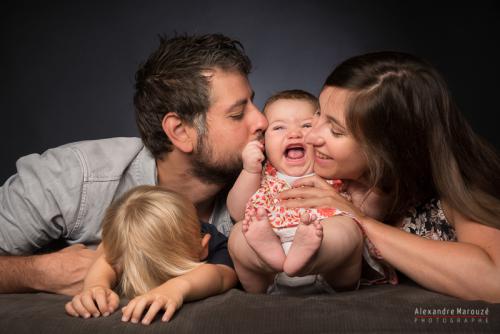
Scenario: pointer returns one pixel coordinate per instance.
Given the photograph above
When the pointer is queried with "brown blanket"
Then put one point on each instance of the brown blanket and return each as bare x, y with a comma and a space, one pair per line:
402, 308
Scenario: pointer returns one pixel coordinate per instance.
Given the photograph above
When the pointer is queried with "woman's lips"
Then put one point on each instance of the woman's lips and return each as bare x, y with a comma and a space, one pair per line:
320, 155
321, 158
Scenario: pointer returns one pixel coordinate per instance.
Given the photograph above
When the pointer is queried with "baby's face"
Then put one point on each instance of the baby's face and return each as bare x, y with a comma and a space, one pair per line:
289, 122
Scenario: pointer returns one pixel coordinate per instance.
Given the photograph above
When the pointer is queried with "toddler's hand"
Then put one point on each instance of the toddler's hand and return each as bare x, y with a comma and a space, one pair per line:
157, 299
94, 301
253, 156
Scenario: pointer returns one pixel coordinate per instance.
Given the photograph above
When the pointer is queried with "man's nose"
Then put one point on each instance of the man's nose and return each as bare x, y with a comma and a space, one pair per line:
258, 121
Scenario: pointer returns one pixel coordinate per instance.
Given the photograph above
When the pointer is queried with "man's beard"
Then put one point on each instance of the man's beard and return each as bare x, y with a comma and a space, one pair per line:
222, 172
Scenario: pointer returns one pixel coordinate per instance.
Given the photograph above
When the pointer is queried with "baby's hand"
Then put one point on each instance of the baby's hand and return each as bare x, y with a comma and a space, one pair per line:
253, 156
95, 301
157, 299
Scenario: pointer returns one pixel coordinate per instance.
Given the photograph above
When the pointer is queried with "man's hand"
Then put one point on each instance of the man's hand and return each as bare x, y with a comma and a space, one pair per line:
94, 301
165, 297
253, 156
63, 272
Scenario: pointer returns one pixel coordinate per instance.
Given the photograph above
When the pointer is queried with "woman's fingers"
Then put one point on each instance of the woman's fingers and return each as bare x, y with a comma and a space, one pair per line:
312, 197
306, 192
312, 181
315, 202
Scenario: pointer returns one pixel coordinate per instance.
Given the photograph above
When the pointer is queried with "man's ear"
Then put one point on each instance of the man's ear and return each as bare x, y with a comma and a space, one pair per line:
180, 134
204, 246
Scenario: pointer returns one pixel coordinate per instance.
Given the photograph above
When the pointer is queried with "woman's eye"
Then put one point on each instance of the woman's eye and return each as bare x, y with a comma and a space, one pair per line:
335, 133
307, 125
278, 127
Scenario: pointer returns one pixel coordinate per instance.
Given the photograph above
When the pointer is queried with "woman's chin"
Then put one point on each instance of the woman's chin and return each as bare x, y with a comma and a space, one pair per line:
328, 174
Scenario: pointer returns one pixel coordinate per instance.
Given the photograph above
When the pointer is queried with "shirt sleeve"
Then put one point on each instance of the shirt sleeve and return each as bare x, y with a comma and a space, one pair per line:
40, 203
217, 246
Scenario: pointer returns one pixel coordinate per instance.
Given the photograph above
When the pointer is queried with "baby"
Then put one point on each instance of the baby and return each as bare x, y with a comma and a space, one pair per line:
158, 253
254, 196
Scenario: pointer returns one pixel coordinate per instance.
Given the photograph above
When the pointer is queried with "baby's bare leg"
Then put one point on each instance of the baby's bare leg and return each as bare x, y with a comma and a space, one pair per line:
254, 274
339, 257
261, 237
306, 243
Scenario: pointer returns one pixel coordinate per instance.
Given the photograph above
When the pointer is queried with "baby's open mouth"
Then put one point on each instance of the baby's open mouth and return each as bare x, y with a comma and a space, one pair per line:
295, 151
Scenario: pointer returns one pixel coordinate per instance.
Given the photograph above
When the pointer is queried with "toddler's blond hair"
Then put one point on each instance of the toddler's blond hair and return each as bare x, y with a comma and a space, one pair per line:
150, 235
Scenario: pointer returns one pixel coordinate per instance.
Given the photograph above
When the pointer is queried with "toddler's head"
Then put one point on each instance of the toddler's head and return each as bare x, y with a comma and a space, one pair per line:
150, 235
290, 114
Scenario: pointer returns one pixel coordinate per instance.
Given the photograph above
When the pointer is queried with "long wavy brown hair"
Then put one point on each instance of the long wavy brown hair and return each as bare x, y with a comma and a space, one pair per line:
417, 142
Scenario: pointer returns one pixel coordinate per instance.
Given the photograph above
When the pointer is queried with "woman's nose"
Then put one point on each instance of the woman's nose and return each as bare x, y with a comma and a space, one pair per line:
313, 137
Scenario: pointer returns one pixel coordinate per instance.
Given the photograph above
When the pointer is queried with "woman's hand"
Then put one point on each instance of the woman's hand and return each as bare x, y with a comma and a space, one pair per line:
315, 192
165, 297
93, 301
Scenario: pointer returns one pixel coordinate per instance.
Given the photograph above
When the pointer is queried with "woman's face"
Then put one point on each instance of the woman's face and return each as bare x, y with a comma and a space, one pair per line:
337, 154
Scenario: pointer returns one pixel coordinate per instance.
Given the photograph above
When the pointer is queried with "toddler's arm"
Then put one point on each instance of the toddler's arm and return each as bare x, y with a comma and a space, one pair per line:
97, 290
248, 181
205, 281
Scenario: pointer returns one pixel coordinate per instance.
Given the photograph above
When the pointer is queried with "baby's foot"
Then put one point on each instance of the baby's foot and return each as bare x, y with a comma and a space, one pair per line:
261, 237
305, 244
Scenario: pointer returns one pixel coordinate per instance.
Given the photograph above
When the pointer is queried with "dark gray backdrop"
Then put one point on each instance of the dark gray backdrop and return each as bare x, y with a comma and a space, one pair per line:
67, 68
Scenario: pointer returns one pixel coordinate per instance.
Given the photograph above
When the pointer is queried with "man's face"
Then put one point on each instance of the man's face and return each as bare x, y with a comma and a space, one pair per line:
232, 121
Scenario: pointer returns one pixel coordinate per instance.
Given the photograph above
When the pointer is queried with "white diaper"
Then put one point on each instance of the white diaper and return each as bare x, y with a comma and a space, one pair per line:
284, 284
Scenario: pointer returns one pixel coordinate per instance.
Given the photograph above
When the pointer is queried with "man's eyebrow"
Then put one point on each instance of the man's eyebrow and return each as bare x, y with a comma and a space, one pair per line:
241, 102
335, 121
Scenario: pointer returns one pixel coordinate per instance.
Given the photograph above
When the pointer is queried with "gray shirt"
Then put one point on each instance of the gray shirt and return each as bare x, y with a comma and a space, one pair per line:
64, 192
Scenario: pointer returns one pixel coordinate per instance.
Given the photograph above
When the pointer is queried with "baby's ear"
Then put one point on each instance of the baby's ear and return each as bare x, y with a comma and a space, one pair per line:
204, 246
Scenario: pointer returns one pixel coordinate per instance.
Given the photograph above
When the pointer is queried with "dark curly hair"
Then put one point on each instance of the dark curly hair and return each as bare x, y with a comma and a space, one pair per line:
172, 80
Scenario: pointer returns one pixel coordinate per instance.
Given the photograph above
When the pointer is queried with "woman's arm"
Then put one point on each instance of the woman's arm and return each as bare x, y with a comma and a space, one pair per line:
468, 269
248, 181
205, 281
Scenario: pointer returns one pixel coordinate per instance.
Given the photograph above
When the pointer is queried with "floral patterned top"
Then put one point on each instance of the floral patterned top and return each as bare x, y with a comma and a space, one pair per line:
280, 217
427, 221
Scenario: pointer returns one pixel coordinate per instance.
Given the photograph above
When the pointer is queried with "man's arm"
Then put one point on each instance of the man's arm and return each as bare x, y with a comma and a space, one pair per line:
38, 205
60, 272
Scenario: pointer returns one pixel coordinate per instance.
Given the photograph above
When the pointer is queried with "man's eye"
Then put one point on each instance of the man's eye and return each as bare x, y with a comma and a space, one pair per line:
307, 125
238, 116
